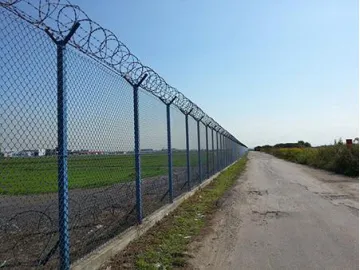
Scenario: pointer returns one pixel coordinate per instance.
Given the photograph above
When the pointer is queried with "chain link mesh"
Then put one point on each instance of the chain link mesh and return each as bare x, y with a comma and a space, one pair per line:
178, 139
101, 157
203, 156
153, 149
212, 148
28, 166
97, 160
193, 147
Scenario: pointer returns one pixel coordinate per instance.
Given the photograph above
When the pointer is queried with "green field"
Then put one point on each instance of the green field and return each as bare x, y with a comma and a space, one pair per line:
39, 174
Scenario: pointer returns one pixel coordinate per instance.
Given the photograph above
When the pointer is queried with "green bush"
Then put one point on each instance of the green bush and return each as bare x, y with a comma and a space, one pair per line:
337, 158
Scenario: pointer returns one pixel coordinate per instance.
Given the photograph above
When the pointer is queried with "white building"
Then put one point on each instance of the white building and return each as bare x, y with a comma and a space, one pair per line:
41, 152
8, 153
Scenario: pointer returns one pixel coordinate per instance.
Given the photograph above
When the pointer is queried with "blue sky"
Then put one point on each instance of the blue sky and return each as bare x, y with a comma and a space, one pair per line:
268, 71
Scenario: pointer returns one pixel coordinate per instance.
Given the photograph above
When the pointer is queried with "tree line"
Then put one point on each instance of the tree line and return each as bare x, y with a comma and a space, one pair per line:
299, 144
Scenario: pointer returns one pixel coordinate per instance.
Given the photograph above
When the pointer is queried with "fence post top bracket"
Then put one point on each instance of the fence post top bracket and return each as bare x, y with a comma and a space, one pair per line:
63, 42
188, 112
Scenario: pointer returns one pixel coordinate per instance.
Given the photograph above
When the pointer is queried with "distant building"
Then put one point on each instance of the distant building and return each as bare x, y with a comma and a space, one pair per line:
9, 153
147, 151
50, 152
95, 153
26, 153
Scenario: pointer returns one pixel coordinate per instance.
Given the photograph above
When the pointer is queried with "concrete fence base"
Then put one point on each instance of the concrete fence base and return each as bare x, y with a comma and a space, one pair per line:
95, 259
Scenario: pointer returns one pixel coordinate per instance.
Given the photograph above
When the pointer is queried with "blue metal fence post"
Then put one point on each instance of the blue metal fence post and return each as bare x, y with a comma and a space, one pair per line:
213, 151
217, 151
170, 169
235, 154
137, 154
207, 152
225, 152
220, 152
236, 151
139, 212
137, 150
187, 149
233, 150
63, 181
63, 197
230, 151
199, 148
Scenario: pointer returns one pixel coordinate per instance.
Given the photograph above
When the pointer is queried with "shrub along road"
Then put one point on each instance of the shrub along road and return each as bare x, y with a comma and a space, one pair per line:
282, 215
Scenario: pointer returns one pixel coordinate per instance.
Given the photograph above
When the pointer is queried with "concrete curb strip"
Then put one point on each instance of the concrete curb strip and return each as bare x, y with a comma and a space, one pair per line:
95, 259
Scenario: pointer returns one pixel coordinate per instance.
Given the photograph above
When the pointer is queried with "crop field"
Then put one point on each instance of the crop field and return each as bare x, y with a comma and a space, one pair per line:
34, 175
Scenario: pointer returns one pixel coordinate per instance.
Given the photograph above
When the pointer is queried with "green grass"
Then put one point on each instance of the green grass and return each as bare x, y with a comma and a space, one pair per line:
165, 245
39, 174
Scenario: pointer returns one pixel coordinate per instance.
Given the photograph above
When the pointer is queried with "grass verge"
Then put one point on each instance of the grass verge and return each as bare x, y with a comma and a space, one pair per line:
164, 246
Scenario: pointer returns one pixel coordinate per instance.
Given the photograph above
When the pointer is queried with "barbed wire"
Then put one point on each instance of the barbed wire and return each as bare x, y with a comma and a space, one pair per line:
94, 208
59, 16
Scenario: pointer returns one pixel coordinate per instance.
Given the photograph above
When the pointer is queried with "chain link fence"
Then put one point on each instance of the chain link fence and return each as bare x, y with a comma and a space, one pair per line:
91, 140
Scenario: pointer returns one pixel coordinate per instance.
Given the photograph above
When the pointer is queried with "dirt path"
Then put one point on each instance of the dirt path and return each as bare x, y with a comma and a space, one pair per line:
282, 215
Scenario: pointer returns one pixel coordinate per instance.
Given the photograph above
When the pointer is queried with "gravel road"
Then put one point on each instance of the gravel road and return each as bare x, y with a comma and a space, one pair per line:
282, 215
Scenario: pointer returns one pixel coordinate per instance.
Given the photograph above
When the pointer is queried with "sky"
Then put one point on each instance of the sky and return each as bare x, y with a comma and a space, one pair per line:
267, 71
